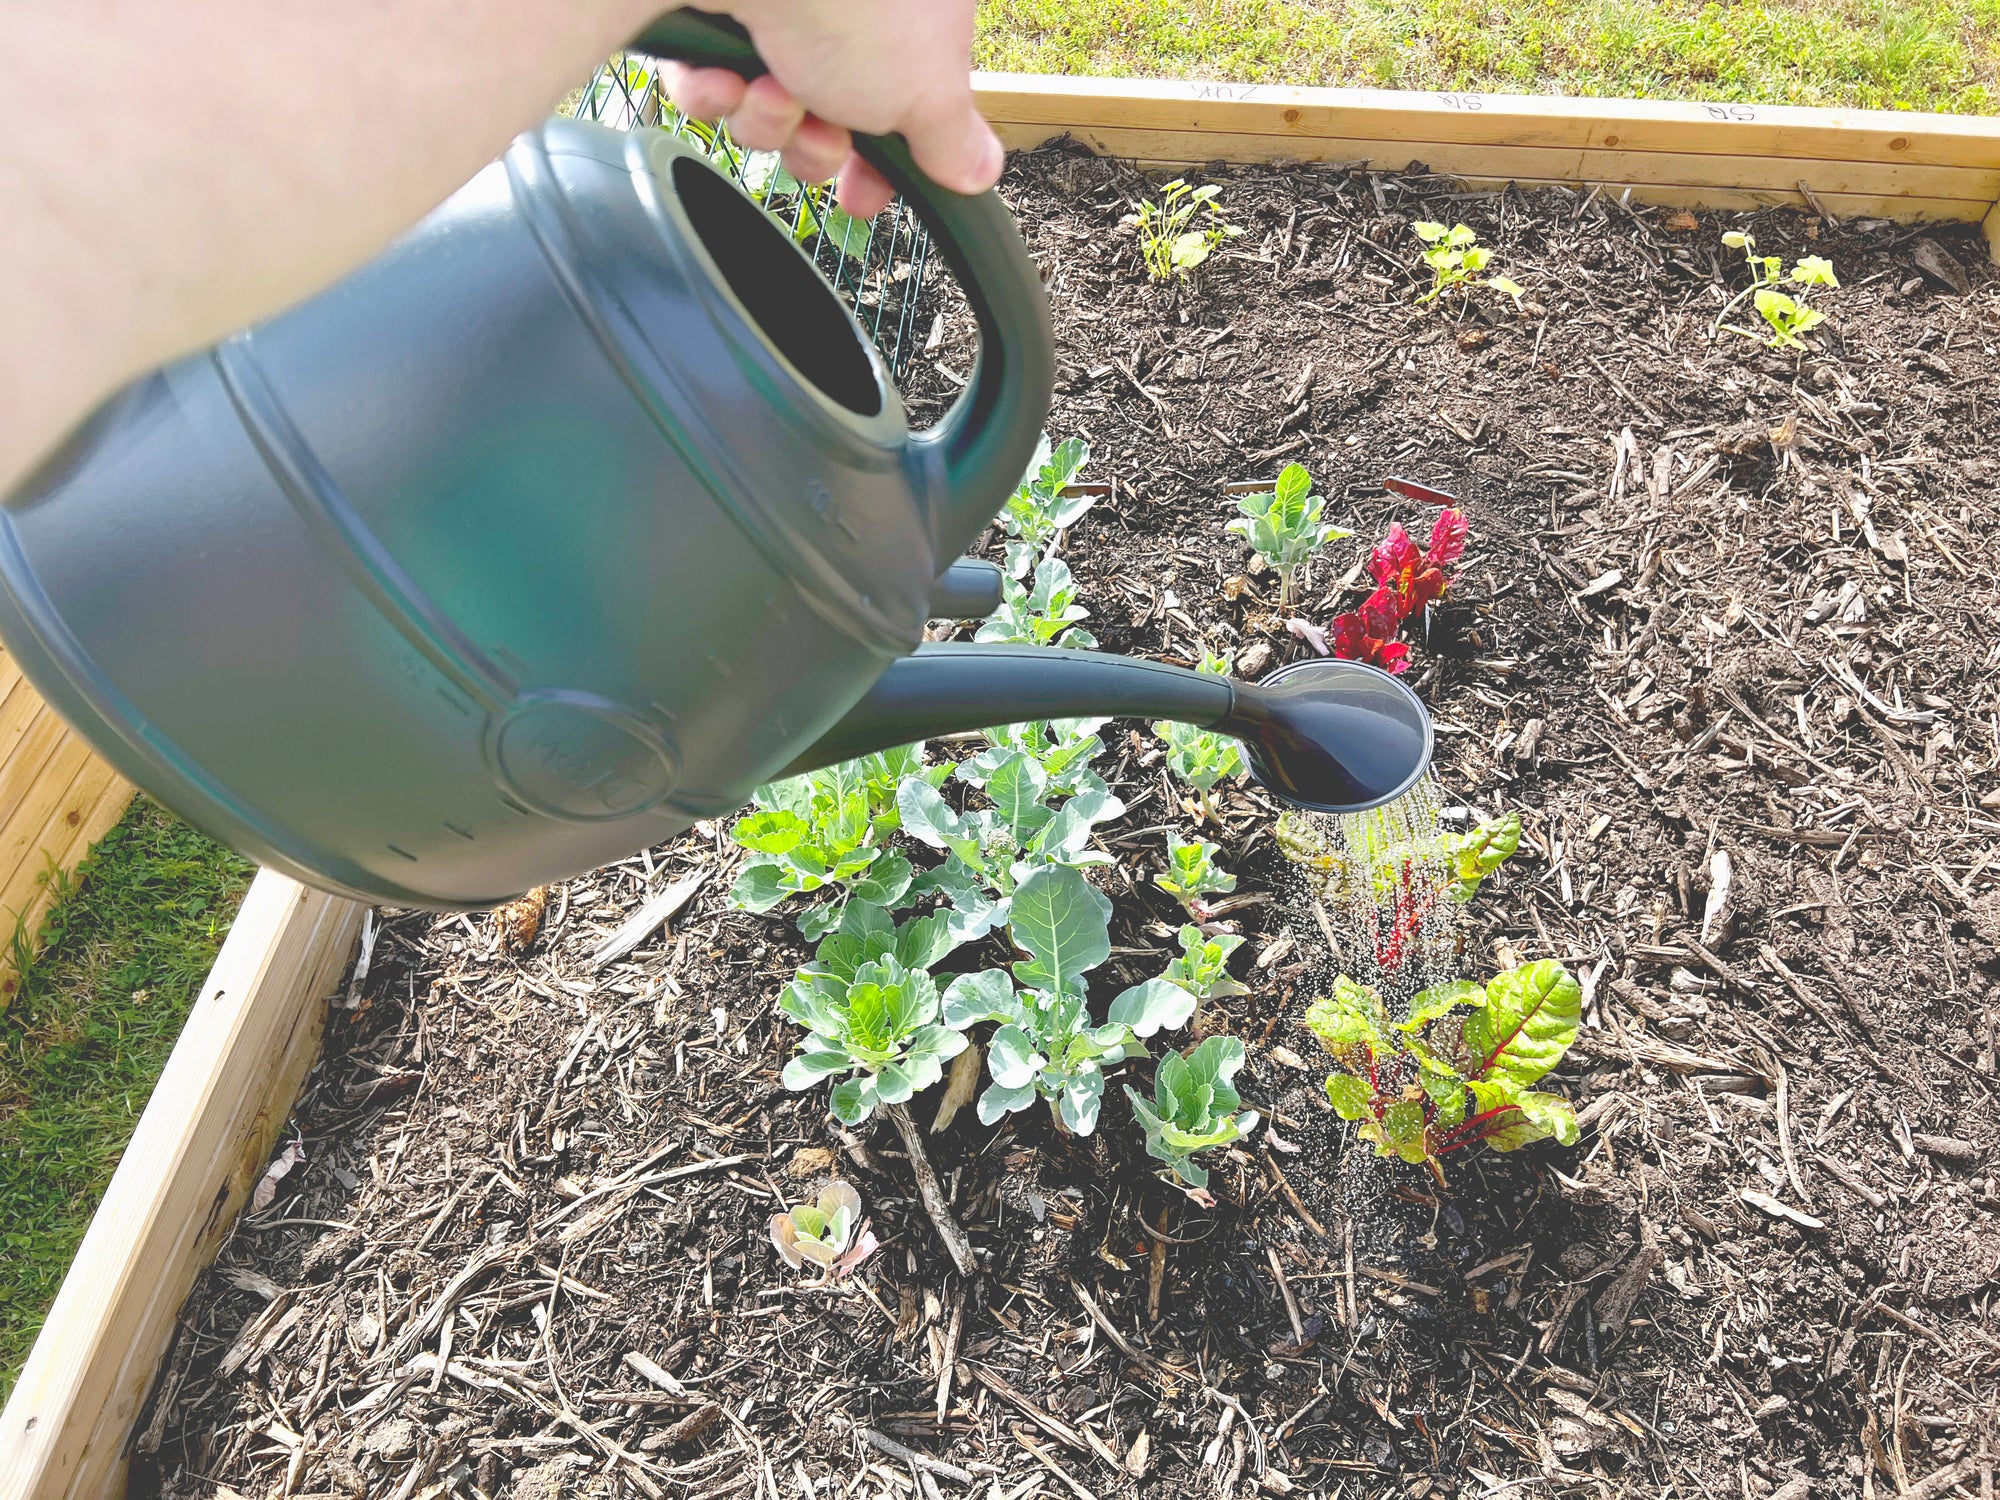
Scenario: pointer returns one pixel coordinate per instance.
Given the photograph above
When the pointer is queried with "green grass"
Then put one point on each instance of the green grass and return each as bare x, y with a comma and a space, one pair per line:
1941, 55
87, 1035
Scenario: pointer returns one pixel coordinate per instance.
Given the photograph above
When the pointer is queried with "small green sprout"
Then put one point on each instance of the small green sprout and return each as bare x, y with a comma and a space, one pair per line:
1284, 526
1044, 615
1201, 757
1038, 512
1182, 230
828, 1232
1456, 258
1203, 967
1785, 316
1192, 873
1193, 1106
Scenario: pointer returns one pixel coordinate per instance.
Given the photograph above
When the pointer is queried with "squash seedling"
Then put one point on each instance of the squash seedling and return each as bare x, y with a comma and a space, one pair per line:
1283, 525
829, 1232
1459, 1070
1181, 230
1194, 1106
1785, 315
1456, 258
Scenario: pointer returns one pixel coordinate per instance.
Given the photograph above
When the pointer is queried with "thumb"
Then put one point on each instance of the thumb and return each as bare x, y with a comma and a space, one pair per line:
956, 146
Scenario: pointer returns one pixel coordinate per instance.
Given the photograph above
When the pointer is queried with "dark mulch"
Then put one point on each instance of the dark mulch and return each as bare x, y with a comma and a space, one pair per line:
1719, 602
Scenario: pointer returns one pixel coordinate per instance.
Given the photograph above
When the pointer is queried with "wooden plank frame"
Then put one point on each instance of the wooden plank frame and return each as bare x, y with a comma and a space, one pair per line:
1855, 163
56, 800
204, 1138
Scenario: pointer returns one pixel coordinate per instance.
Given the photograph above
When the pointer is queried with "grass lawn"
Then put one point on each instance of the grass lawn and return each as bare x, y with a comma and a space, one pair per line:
1892, 54
87, 1036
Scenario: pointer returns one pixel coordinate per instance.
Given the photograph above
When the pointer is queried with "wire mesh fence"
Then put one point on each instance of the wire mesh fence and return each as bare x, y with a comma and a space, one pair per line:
882, 268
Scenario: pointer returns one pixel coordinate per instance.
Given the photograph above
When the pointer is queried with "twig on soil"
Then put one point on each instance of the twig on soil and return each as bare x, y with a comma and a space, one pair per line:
885, 1444
932, 1191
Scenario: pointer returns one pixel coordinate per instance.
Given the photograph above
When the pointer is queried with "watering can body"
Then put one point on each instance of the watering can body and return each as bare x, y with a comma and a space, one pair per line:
564, 523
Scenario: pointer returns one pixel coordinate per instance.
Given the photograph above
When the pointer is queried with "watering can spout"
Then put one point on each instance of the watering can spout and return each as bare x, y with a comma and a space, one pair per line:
1334, 736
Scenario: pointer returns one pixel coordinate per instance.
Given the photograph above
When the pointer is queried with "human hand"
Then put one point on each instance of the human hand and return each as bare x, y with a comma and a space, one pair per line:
875, 66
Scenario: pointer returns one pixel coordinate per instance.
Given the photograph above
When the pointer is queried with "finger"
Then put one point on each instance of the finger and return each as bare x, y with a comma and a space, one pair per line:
816, 150
702, 93
863, 191
958, 148
767, 117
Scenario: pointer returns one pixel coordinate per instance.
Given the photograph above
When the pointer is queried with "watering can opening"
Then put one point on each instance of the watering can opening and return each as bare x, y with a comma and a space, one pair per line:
779, 288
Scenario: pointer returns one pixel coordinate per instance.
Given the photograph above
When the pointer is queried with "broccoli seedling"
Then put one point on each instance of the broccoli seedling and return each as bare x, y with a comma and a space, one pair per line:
1193, 1106
1044, 615
1203, 967
1038, 512
826, 831
1283, 526
1047, 1047
880, 1022
1193, 873
1200, 757
1458, 1070
828, 1232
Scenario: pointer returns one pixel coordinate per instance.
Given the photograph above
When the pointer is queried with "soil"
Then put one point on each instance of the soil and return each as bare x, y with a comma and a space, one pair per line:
1720, 602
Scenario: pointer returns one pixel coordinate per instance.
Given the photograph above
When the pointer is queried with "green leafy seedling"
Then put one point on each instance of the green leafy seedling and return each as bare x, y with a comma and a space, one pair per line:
1181, 230
1203, 967
1456, 258
1038, 512
1042, 615
878, 1024
1459, 1070
827, 831
1194, 1106
1047, 1047
828, 1233
1192, 873
1201, 757
1786, 315
1284, 526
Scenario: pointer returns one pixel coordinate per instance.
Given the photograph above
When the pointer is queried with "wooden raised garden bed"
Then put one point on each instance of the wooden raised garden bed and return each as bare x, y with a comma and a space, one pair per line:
489, 1121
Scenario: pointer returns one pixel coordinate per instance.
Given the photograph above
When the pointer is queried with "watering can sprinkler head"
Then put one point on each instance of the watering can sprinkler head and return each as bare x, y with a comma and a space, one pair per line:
1331, 736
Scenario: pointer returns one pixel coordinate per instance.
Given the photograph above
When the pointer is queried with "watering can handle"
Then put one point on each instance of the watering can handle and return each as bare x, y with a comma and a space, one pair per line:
975, 455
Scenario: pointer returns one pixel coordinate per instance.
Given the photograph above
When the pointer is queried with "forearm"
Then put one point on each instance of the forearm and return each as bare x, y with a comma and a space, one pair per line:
176, 170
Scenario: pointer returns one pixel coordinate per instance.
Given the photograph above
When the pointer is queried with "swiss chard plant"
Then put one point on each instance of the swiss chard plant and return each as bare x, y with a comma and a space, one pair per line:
1284, 527
1201, 757
827, 831
1455, 258
1193, 873
1038, 512
872, 1013
1047, 1046
1786, 315
1396, 883
1181, 230
1459, 1070
1408, 580
1042, 614
828, 1233
1194, 1106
